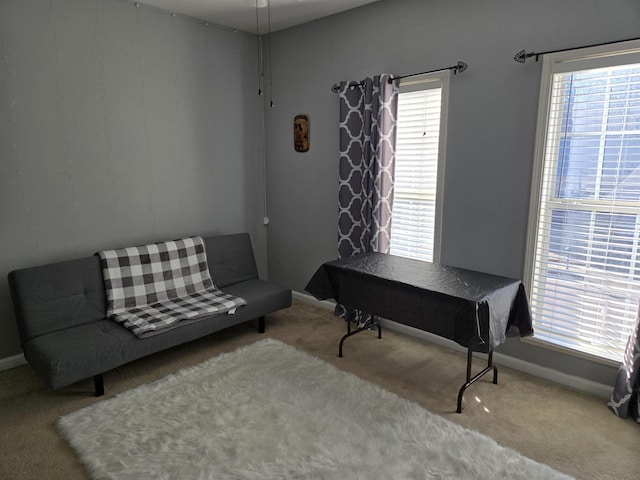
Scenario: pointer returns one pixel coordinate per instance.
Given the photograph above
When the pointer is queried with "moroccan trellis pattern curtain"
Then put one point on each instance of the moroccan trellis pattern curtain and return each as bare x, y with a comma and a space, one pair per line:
625, 399
368, 113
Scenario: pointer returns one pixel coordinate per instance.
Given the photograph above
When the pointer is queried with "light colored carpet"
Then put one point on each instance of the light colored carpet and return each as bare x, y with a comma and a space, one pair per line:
270, 411
572, 432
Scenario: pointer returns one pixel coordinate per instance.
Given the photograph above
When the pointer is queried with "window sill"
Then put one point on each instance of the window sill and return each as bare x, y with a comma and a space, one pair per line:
568, 351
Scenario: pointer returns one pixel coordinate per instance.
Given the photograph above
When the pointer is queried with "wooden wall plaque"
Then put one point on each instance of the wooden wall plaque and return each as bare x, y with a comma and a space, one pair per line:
301, 133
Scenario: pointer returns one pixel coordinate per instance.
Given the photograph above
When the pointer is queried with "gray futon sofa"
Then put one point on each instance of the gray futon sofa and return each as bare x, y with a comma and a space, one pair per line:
60, 310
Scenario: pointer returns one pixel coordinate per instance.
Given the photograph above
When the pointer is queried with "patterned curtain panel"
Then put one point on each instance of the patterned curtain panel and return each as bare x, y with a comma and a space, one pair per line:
368, 112
625, 399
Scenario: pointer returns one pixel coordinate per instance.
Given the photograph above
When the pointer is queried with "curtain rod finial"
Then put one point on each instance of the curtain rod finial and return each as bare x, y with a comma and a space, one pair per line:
521, 56
335, 88
460, 67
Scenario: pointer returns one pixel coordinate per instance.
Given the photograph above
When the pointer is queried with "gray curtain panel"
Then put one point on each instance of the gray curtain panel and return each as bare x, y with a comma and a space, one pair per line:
625, 399
368, 113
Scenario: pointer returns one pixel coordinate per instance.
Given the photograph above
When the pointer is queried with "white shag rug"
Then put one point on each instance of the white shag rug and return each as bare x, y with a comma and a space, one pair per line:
269, 411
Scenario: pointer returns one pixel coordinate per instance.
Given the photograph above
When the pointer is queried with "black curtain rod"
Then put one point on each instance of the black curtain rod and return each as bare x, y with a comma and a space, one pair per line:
522, 55
458, 68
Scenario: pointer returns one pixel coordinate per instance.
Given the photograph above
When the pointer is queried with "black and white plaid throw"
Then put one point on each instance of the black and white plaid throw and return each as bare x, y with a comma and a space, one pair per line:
150, 288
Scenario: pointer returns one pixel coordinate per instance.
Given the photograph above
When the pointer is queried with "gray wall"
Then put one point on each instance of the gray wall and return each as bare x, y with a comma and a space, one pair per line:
120, 126
492, 119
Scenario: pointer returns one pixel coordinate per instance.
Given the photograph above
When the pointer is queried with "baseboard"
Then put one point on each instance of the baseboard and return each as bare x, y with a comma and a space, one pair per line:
12, 362
303, 297
571, 381
550, 374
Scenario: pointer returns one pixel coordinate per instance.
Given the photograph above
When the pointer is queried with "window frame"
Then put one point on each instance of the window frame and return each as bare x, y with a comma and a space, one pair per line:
554, 63
428, 81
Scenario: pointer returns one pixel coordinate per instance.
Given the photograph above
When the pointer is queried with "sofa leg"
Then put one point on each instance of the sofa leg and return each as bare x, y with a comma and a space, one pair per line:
98, 381
261, 325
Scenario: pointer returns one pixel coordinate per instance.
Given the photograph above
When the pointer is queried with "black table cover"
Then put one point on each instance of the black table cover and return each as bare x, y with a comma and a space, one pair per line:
476, 310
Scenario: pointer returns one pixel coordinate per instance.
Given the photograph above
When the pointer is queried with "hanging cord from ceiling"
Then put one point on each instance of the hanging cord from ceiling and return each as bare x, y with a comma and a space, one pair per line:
522, 55
260, 48
271, 104
259, 51
263, 129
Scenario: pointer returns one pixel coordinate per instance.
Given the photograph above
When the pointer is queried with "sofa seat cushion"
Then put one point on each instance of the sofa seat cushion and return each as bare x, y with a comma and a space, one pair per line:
262, 297
67, 356
73, 354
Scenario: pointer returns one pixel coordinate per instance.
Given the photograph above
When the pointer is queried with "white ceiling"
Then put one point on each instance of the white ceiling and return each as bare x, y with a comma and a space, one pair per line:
241, 14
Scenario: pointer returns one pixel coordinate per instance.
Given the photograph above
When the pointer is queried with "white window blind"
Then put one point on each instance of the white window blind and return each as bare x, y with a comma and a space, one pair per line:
585, 263
413, 227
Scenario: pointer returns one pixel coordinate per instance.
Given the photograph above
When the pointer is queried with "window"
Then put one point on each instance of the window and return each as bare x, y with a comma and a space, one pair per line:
584, 229
419, 168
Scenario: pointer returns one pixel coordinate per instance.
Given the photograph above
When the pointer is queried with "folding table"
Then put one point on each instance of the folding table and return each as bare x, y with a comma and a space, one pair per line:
477, 310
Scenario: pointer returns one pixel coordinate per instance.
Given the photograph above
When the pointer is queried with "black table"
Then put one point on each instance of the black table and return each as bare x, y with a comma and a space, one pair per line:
477, 310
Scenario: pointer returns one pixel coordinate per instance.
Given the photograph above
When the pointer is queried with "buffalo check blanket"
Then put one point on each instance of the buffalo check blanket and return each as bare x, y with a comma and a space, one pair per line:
151, 288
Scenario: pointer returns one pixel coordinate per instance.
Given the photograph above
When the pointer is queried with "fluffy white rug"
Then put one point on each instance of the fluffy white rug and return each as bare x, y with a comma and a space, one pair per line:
269, 411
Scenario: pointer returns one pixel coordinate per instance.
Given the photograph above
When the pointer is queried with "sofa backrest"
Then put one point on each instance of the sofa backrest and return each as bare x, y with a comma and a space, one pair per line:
56, 296
62, 295
230, 259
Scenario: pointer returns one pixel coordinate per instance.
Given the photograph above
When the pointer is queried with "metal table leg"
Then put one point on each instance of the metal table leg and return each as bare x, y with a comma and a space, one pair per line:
470, 380
490, 366
358, 330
